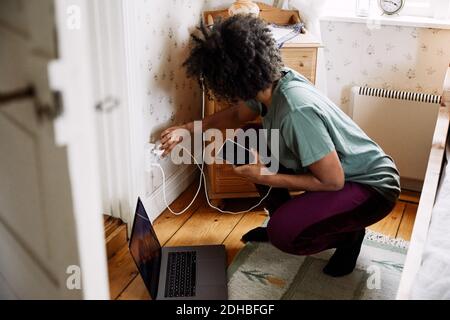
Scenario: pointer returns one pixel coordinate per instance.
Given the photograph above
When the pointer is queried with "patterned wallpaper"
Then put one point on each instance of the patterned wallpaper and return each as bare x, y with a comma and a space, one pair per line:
164, 95
407, 59
169, 97
391, 57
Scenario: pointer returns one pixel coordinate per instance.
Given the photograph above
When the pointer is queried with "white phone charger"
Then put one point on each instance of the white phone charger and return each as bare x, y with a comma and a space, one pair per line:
153, 149
157, 151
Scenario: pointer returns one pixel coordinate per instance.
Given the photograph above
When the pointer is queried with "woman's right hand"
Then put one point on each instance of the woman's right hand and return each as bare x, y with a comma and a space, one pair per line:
170, 139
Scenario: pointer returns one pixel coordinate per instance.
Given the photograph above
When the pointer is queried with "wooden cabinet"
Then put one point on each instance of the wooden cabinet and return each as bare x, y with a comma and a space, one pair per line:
299, 54
302, 60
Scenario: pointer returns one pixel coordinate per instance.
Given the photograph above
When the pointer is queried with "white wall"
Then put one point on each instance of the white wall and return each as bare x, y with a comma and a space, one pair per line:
424, 8
391, 57
223, 4
160, 95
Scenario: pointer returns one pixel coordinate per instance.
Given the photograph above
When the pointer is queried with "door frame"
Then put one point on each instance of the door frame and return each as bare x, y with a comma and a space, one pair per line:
113, 118
75, 75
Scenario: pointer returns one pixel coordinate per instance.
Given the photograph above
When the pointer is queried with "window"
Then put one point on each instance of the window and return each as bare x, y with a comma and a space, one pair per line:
439, 9
419, 8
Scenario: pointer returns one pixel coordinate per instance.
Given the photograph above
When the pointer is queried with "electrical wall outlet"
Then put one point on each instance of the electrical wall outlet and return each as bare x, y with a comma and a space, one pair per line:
151, 156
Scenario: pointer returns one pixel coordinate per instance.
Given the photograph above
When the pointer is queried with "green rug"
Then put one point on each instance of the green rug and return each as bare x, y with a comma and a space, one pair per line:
262, 272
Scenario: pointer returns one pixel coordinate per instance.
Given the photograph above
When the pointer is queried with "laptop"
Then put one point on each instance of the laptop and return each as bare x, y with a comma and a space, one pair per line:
177, 273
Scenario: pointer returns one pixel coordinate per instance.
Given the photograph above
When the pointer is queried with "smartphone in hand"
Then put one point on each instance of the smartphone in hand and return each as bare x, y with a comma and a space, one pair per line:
235, 154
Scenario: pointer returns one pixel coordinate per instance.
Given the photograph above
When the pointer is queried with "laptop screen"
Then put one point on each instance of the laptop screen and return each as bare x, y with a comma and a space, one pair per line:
145, 249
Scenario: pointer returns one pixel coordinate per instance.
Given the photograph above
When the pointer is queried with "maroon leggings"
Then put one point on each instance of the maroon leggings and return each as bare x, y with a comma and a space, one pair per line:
316, 221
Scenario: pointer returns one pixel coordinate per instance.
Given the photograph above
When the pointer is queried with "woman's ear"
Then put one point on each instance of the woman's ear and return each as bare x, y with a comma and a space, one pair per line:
259, 95
264, 95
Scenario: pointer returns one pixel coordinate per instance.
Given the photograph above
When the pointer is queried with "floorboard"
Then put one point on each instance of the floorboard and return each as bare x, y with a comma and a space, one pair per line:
410, 196
122, 271
406, 226
201, 225
390, 225
136, 290
205, 226
233, 242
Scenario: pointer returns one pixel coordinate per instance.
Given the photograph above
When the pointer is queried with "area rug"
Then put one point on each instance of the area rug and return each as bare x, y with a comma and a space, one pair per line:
262, 272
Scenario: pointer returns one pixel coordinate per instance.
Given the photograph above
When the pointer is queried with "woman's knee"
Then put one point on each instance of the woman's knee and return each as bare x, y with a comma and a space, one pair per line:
288, 240
280, 235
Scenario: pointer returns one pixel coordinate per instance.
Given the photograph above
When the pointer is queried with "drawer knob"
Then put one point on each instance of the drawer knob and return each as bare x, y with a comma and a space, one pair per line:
301, 64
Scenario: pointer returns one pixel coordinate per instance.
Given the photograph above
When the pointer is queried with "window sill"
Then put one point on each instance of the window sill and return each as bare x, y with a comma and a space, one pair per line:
405, 21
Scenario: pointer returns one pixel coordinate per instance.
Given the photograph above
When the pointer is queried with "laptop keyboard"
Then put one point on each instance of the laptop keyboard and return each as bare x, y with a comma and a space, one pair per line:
181, 274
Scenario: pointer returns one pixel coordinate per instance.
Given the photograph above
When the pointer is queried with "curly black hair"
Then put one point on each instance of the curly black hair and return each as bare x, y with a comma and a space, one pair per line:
236, 58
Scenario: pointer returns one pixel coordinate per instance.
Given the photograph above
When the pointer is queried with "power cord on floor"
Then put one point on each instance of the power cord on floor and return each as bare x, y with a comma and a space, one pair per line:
202, 179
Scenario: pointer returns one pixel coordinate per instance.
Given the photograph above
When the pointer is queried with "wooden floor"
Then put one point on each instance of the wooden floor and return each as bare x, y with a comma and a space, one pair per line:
203, 225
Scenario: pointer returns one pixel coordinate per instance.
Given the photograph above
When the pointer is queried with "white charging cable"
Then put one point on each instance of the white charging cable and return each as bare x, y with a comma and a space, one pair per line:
202, 178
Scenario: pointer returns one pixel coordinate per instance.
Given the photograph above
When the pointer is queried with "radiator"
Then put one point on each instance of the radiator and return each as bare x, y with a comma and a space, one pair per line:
402, 123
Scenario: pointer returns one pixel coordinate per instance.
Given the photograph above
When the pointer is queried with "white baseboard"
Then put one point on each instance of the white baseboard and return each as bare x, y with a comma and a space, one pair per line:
411, 184
175, 185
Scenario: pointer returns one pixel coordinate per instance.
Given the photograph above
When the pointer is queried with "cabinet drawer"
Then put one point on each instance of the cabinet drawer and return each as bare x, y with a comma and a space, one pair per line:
226, 181
302, 60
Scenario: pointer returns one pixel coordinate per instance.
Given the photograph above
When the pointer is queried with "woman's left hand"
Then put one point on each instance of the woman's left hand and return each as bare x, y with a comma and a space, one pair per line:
256, 172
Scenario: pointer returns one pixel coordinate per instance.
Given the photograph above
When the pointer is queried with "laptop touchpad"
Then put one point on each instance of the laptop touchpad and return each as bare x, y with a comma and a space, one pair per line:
211, 272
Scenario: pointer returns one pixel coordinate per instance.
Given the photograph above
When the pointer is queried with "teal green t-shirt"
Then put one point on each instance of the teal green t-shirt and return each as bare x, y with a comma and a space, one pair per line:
311, 126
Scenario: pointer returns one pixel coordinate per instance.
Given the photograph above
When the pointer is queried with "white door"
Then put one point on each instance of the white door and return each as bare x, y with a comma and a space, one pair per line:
51, 232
